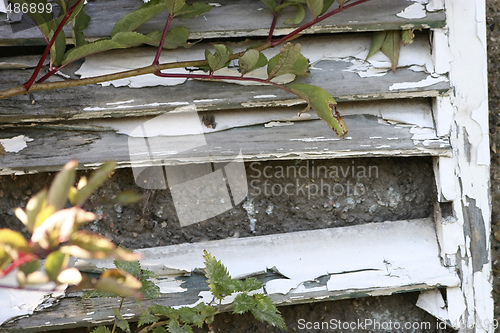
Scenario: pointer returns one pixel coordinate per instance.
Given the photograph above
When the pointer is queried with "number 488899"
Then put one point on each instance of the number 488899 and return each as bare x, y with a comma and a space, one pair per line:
29, 8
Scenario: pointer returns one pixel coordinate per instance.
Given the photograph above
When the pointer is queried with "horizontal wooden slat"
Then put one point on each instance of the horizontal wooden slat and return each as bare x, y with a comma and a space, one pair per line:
239, 18
337, 65
369, 135
371, 259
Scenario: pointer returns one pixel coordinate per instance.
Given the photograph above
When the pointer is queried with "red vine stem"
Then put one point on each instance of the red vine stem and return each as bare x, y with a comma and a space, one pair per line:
18, 262
315, 21
162, 41
39, 66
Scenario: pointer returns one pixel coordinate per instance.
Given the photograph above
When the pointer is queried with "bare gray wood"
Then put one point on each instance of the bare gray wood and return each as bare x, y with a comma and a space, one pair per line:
51, 149
88, 102
235, 18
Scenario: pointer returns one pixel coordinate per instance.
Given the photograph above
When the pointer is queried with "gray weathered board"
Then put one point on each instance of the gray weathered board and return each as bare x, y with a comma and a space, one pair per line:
241, 18
399, 256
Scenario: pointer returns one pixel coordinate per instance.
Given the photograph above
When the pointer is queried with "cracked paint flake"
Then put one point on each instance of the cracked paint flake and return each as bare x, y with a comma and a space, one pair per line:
429, 81
15, 144
414, 11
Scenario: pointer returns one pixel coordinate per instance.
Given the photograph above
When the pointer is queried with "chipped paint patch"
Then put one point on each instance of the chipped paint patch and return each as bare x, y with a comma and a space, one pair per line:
414, 11
429, 81
316, 139
15, 144
135, 106
265, 96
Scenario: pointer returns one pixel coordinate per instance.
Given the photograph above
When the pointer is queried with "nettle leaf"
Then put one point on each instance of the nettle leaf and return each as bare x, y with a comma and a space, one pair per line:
131, 39
220, 58
191, 11
191, 316
243, 303
266, 311
159, 329
147, 317
120, 322
55, 263
218, 278
407, 36
176, 37
323, 103
135, 19
174, 327
391, 47
149, 289
131, 267
174, 7
101, 329
315, 6
166, 311
284, 62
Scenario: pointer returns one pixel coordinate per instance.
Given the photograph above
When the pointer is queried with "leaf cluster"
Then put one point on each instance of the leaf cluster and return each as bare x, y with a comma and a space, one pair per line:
56, 235
389, 42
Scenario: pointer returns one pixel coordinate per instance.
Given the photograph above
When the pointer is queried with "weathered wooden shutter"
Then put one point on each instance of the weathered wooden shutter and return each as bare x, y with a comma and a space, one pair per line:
433, 109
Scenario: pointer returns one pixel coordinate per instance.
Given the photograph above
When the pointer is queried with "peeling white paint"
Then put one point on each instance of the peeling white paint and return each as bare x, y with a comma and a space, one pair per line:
414, 11
15, 144
134, 106
432, 301
428, 81
265, 96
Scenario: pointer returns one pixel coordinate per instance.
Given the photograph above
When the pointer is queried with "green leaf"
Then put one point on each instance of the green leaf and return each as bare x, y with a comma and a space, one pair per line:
58, 192
35, 210
176, 37
271, 4
147, 318
120, 322
119, 282
266, 311
30, 267
159, 329
89, 49
218, 278
326, 5
135, 19
132, 267
315, 6
127, 197
80, 23
175, 6
166, 311
97, 179
377, 42
407, 36
243, 303
196, 9
391, 47
220, 58
283, 62
174, 327
55, 263
131, 39
58, 48
250, 284
323, 103
5, 259
149, 289
43, 19
13, 239
249, 60
300, 15
101, 329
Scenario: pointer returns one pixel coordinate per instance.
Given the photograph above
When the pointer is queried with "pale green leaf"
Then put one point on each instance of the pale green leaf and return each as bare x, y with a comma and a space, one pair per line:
131, 39
55, 263
5, 259
270, 3
220, 58
80, 23
13, 239
89, 49
377, 42
391, 47
315, 6
191, 11
283, 62
323, 103
243, 303
33, 210
176, 37
300, 15
407, 36
248, 60
175, 6
97, 179
135, 19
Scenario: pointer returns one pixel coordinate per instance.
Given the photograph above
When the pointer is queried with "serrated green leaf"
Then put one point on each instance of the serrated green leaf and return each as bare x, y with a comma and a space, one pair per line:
135, 19
166, 311
89, 49
132, 267
266, 311
407, 36
194, 10
218, 278
391, 47
101, 329
220, 58
131, 39
159, 329
149, 289
174, 327
55, 263
120, 322
243, 303
300, 15
377, 42
250, 284
97, 179
315, 6
147, 317
283, 62
323, 103
175, 38
301, 66
175, 6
